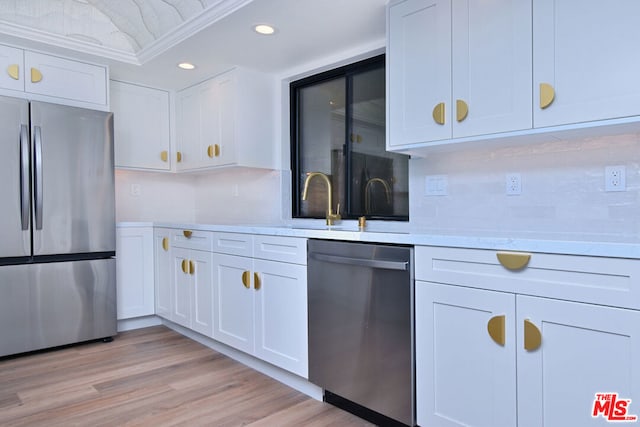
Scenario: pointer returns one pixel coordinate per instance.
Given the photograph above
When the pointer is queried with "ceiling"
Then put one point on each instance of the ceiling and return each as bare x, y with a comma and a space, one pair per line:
143, 40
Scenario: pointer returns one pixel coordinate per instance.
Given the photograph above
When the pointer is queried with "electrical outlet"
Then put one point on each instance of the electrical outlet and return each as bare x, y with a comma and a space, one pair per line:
615, 178
436, 185
135, 190
513, 182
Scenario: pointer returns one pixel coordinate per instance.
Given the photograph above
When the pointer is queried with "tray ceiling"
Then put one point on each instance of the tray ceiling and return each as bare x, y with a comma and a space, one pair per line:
122, 29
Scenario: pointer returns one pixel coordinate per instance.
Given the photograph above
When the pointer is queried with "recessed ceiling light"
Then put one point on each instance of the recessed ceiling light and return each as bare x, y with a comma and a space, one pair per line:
186, 66
264, 29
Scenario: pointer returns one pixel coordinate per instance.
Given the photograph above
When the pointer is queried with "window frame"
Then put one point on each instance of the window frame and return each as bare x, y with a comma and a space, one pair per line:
347, 72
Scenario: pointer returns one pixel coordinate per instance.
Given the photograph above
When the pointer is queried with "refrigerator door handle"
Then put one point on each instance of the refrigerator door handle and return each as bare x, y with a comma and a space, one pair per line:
24, 176
37, 187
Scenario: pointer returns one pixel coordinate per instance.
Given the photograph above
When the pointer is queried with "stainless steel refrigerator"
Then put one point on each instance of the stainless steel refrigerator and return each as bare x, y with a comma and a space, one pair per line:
57, 226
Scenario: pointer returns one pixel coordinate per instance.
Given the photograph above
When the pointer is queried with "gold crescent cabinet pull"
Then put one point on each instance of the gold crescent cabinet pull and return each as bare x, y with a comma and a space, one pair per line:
245, 279
216, 150
496, 329
513, 260
179, 156
547, 95
187, 233
256, 282
185, 266
192, 267
438, 113
165, 243
164, 155
36, 75
532, 336
462, 110
14, 71
210, 151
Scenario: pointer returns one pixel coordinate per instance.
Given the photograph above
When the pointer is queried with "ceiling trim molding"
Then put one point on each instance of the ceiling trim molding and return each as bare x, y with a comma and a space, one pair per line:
65, 42
190, 27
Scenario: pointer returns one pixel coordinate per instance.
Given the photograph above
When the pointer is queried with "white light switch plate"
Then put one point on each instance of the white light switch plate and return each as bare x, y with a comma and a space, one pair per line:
436, 185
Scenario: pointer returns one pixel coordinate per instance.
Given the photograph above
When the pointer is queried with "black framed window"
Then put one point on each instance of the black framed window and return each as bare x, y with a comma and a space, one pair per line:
338, 129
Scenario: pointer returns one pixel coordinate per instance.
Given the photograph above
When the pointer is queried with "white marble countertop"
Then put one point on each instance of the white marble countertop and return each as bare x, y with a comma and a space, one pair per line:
584, 245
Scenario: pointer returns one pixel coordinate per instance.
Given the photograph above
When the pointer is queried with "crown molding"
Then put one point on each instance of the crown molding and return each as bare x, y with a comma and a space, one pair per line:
209, 16
65, 42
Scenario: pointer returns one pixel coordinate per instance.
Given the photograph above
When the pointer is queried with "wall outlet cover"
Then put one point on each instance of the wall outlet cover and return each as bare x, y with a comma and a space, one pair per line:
436, 185
513, 182
615, 178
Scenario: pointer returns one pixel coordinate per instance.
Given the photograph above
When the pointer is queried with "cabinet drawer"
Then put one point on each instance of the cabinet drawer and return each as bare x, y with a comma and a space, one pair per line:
284, 249
192, 239
233, 244
599, 280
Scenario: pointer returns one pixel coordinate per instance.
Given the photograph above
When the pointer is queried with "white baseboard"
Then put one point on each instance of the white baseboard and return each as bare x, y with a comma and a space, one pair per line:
285, 377
138, 322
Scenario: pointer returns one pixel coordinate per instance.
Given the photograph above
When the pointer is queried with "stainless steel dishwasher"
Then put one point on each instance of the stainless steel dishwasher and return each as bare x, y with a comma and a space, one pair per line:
361, 319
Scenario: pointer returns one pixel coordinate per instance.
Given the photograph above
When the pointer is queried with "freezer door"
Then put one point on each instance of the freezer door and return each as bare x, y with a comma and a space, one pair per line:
73, 180
53, 304
14, 178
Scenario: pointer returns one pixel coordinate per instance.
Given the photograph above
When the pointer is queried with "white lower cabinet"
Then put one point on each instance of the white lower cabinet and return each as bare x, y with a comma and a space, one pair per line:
163, 261
193, 290
261, 304
135, 272
497, 358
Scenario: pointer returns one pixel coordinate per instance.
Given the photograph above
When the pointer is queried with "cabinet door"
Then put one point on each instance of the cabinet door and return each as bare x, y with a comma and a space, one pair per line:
182, 290
234, 311
66, 79
164, 274
419, 71
281, 315
11, 68
585, 50
134, 272
585, 349
188, 128
141, 126
463, 377
224, 134
202, 302
491, 47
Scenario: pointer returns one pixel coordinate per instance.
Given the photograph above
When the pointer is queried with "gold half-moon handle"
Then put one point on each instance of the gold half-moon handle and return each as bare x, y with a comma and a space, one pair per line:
36, 75
547, 95
164, 155
14, 71
210, 152
438, 113
513, 260
216, 150
245, 279
165, 243
256, 282
179, 156
462, 110
185, 266
192, 267
187, 233
532, 336
496, 329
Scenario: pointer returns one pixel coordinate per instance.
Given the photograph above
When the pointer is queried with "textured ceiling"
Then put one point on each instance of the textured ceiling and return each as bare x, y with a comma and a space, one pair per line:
124, 25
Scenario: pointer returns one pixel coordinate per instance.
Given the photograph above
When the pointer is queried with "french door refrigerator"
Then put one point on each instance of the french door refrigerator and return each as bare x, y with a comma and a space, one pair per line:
57, 226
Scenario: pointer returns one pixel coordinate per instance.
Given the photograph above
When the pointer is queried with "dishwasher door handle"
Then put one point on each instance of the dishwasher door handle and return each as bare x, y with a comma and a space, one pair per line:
362, 262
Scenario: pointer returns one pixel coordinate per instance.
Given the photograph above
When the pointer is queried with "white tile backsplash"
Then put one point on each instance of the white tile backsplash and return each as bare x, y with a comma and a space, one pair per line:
563, 190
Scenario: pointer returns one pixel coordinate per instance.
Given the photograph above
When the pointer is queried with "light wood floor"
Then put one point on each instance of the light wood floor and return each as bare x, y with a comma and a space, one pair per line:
155, 377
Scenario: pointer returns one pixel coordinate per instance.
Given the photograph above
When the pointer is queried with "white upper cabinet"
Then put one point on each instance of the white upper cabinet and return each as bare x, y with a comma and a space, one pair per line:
12, 65
227, 121
457, 69
42, 77
586, 50
65, 79
141, 127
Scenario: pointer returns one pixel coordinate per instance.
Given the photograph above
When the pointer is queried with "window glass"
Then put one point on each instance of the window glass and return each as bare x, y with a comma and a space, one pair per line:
338, 129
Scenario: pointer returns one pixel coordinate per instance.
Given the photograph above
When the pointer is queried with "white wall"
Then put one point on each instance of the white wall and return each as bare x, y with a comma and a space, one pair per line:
234, 195
562, 190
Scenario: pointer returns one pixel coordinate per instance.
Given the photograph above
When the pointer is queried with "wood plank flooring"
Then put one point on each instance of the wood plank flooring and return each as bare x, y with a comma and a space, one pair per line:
151, 377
